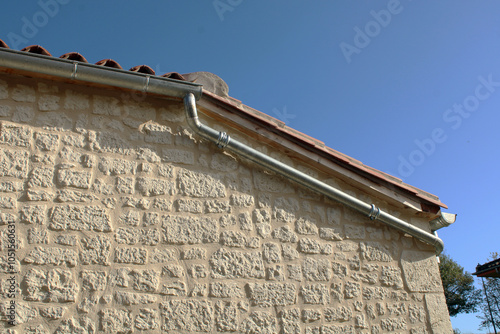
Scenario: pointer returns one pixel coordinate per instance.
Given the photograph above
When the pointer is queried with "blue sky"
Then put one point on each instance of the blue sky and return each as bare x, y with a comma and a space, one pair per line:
416, 94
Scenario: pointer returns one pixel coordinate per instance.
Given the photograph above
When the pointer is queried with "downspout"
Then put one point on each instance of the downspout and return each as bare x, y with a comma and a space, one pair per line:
222, 140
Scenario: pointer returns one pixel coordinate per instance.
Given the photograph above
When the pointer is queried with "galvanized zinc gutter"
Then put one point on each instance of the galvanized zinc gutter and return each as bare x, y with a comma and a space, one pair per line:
222, 140
89, 73
78, 71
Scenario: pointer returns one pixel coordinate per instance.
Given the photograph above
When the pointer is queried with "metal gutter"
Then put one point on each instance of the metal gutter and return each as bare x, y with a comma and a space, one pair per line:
90, 73
84, 72
222, 140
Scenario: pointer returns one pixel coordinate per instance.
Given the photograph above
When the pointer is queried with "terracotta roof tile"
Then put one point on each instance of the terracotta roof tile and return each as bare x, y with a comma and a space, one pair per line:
75, 56
174, 75
278, 126
143, 69
37, 49
109, 63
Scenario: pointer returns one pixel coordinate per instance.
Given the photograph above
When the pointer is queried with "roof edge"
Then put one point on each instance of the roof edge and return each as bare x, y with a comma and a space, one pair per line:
313, 145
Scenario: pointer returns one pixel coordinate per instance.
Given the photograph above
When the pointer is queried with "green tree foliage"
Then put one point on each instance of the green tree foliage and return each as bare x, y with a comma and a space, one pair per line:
461, 294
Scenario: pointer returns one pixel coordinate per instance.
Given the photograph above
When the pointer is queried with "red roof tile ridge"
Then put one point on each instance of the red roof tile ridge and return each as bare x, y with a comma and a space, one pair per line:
218, 90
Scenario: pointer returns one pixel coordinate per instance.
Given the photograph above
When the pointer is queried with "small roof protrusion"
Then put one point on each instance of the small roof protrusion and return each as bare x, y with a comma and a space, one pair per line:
109, 63
75, 56
143, 69
37, 49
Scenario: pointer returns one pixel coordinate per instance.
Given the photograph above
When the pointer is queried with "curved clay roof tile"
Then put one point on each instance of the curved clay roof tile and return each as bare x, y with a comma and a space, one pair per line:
74, 56
37, 49
174, 75
109, 63
3, 44
143, 69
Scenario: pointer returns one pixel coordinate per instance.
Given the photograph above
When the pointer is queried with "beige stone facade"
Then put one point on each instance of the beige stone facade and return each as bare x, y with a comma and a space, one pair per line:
126, 222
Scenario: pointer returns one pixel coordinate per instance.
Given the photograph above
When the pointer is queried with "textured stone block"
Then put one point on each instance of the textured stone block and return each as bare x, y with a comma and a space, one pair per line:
95, 250
226, 290
173, 270
162, 256
421, 272
352, 289
11, 186
199, 185
35, 236
226, 316
146, 280
375, 251
48, 102
188, 230
187, 315
46, 141
7, 202
74, 196
391, 276
52, 255
156, 133
127, 235
217, 206
306, 226
271, 252
315, 294
175, 288
195, 253
112, 166
330, 234
178, 156
285, 234
132, 298
272, 294
355, 232
289, 252
41, 177
392, 325
147, 319
233, 239
15, 135
242, 200
309, 246
188, 205
317, 270
80, 218
93, 280
334, 329
4, 90
74, 178
236, 264
54, 285
14, 163
52, 312
338, 314
116, 321
104, 105
155, 187
260, 322
133, 255
266, 182
72, 325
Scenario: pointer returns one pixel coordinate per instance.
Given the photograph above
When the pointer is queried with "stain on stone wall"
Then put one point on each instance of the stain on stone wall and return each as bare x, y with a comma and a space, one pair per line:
125, 222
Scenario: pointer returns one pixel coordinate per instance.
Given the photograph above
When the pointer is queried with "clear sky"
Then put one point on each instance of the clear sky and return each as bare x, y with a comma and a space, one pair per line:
408, 87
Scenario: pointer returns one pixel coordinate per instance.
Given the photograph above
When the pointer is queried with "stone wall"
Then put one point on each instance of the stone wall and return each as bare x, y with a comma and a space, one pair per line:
125, 222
